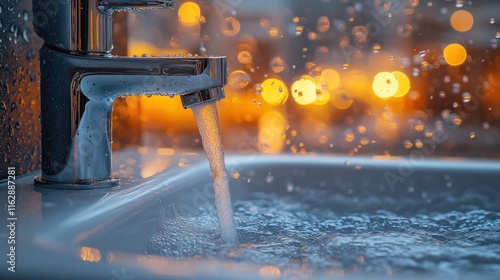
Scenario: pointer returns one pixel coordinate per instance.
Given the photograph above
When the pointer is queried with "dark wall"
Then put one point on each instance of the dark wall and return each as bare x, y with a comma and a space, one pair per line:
19, 92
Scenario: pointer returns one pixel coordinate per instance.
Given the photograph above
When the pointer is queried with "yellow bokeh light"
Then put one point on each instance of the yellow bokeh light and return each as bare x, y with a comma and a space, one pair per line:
462, 21
329, 79
304, 90
274, 91
189, 14
322, 97
403, 83
385, 84
455, 54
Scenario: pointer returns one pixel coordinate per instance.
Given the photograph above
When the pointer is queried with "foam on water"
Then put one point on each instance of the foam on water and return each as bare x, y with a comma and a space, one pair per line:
208, 124
288, 232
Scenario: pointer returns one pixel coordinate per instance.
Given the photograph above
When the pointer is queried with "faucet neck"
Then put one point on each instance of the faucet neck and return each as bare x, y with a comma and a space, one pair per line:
93, 36
83, 26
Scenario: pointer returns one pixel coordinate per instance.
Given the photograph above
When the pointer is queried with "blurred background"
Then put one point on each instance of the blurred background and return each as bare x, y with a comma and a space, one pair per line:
374, 77
331, 76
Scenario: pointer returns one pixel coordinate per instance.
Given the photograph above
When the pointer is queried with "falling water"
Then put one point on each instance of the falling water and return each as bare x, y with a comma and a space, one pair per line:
208, 124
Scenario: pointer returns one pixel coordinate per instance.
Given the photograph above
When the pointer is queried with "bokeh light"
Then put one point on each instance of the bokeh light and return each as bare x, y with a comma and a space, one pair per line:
239, 79
403, 83
385, 84
455, 54
304, 90
462, 20
329, 79
230, 27
189, 14
274, 91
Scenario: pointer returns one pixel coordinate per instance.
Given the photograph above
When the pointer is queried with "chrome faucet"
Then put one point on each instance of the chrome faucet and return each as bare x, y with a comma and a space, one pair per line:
80, 79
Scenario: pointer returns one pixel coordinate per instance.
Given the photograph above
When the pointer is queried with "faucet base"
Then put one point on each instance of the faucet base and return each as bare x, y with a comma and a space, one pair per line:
82, 185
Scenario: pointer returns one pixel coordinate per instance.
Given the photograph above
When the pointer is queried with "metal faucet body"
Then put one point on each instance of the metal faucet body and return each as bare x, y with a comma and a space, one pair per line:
80, 81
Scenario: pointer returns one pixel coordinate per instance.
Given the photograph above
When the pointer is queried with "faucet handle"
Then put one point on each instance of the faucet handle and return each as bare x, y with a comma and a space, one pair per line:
109, 6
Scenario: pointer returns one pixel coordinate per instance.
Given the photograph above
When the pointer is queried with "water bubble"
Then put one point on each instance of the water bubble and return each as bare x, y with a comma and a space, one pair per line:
239, 79
376, 48
25, 36
244, 57
258, 88
289, 187
466, 97
408, 144
455, 119
486, 125
472, 135
25, 15
442, 94
459, 3
445, 114
419, 144
277, 64
456, 87
349, 136
269, 178
274, 32
494, 43
264, 23
492, 20
203, 49
404, 31
419, 125
230, 26
323, 24
416, 72
299, 29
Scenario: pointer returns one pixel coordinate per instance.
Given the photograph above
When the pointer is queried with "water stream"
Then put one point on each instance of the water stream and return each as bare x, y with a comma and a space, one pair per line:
208, 124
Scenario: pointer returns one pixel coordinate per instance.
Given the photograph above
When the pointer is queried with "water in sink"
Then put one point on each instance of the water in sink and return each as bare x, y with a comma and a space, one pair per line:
297, 232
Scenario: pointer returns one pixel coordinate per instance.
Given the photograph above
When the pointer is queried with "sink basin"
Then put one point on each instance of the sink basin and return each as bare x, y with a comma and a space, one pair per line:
298, 217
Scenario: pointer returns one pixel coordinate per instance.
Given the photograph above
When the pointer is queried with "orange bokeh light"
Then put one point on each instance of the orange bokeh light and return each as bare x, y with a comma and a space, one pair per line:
462, 21
455, 54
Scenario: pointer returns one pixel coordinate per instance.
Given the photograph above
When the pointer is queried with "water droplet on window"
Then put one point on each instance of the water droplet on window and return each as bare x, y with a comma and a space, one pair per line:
466, 97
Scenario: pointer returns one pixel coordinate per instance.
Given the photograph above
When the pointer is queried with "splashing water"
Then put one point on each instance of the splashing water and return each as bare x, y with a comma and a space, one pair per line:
208, 124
